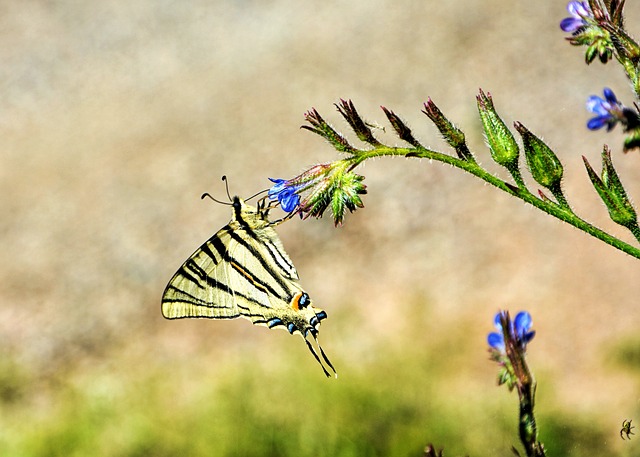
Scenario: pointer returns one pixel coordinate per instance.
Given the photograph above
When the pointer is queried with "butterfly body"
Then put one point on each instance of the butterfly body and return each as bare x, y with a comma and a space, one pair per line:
244, 271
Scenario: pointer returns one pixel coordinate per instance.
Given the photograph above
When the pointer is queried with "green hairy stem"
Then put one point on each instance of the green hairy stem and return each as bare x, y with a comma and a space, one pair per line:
542, 163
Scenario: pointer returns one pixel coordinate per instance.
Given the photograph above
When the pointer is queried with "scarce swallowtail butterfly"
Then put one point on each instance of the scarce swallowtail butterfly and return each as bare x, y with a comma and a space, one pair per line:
243, 271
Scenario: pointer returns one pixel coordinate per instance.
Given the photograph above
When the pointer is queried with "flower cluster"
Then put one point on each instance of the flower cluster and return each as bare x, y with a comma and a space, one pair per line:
285, 192
508, 347
519, 331
321, 186
608, 111
586, 30
581, 17
599, 26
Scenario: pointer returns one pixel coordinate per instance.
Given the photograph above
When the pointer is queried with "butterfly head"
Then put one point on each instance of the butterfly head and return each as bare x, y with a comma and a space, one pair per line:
249, 216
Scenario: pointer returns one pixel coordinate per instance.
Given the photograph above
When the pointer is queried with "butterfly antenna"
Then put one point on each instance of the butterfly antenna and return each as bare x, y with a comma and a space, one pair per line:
327, 374
207, 194
256, 194
226, 185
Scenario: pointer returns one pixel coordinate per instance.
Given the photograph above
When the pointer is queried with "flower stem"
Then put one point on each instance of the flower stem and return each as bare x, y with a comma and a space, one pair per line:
526, 386
527, 427
561, 210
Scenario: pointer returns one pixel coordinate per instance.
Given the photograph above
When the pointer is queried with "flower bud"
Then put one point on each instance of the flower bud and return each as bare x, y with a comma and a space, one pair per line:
320, 127
544, 165
403, 131
612, 193
452, 134
346, 190
359, 126
502, 144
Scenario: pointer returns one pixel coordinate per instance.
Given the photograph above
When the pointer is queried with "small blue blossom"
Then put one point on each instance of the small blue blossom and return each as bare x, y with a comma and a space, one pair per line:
579, 12
608, 110
285, 192
519, 331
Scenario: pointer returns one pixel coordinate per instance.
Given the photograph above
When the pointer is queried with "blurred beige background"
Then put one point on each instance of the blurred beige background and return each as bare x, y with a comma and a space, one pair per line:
116, 116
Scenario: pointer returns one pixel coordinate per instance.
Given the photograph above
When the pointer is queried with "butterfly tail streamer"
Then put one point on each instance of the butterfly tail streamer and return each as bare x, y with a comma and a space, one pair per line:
324, 357
315, 355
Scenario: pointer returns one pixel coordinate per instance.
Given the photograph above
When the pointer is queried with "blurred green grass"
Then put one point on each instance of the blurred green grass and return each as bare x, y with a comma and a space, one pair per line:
395, 403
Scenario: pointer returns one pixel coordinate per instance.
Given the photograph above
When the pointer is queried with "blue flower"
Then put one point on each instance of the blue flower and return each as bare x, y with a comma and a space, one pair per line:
608, 111
519, 331
285, 193
580, 12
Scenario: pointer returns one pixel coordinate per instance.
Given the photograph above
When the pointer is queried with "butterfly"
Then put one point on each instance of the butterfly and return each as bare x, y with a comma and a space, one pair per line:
244, 271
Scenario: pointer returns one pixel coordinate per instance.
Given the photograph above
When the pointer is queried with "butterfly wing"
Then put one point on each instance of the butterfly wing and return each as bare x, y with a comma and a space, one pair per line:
243, 270
201, 287
237, 272
266, 279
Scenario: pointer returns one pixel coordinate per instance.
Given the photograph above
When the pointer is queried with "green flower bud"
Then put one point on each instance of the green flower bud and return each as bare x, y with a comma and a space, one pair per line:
544, 165
403, 131
612, 193
320, 127
452, 134
346, 190
502, 144
359, 126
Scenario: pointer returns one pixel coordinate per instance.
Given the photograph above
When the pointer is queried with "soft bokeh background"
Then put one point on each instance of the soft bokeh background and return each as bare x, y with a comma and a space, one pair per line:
116, 116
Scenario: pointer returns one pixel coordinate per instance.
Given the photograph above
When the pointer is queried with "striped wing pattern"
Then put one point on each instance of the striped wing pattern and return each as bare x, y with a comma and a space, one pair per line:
231, 275
244, 271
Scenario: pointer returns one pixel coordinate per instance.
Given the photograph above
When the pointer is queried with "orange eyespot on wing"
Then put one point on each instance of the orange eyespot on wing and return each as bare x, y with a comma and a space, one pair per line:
300, 301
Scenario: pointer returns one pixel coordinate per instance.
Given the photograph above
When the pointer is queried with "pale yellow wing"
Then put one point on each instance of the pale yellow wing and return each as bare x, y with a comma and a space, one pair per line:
243, 270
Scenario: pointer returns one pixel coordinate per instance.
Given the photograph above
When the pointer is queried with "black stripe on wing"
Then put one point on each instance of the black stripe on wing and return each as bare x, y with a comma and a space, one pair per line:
219, 249
281, 259
207, 250
258, 318
184, 297
254, 281
190, 266
249, 275
260, 257
180, 296
217, 243
192, 272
